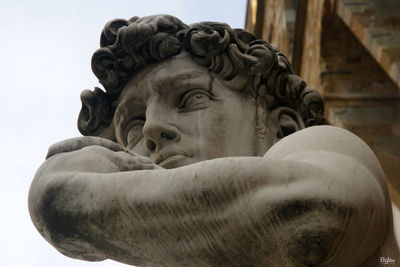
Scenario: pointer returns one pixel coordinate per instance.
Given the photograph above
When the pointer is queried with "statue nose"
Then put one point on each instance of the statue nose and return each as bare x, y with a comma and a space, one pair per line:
159, 134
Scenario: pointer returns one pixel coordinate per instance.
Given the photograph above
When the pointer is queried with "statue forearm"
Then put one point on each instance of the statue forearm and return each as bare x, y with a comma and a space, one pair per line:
215, 209
154, 208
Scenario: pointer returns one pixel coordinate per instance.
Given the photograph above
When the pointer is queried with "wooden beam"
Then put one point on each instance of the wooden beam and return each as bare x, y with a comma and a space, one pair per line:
258, 28
376, 24
255, 17
301, 18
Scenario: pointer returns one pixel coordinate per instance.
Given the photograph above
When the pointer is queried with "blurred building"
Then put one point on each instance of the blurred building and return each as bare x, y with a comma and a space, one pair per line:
349, 50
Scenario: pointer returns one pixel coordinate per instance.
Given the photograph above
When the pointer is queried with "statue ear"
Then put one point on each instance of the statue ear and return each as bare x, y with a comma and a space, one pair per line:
96, 114
285, 121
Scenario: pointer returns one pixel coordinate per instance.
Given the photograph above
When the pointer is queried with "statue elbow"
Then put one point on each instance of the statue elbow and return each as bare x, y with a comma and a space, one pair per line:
53, 216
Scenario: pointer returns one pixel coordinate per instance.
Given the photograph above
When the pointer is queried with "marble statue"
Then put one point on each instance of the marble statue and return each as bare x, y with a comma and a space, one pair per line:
205, 149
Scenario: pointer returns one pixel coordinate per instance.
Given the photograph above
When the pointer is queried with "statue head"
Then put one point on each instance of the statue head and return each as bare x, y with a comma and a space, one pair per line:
159, 57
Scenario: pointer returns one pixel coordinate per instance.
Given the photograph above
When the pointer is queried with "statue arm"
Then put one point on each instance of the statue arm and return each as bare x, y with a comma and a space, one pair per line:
142, 216
348, 174
223, 211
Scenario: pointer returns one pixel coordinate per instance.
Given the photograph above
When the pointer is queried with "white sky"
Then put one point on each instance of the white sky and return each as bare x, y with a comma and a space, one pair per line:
45, 52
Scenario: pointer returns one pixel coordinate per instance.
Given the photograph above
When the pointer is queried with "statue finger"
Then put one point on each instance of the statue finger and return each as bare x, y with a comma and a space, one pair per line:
77, 143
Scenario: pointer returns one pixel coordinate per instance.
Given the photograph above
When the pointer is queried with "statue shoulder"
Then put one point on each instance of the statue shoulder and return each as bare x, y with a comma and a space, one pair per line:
317, 140
331, 164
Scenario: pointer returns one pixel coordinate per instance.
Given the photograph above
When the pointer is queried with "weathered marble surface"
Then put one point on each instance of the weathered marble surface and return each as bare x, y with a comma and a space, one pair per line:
200, 152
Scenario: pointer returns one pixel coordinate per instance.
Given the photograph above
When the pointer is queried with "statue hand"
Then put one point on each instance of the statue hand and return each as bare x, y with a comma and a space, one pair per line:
88, 148
77, 143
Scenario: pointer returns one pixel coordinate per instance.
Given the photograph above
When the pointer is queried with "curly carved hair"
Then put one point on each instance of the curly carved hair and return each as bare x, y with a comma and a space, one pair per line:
242, 62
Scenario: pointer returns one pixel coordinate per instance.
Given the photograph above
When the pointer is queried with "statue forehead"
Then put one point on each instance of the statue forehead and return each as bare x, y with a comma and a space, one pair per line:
178, 69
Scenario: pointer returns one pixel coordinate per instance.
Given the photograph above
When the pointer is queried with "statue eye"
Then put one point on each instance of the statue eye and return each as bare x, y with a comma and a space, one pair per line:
195, 99
134, 132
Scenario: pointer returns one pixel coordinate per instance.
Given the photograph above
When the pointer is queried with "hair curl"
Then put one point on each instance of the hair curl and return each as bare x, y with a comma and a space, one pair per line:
244, 64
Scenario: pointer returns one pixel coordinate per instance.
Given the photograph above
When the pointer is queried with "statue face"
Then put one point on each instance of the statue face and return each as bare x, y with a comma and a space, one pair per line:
177, 113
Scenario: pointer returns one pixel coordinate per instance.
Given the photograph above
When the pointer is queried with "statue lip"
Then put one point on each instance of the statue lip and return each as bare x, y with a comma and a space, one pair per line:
172, 161
168, 157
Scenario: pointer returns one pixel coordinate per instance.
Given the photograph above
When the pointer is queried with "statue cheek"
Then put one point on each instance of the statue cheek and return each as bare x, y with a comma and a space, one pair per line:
214, 134
141, 149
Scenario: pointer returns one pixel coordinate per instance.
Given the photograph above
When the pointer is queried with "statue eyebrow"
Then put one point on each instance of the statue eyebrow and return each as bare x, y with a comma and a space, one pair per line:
185, 77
